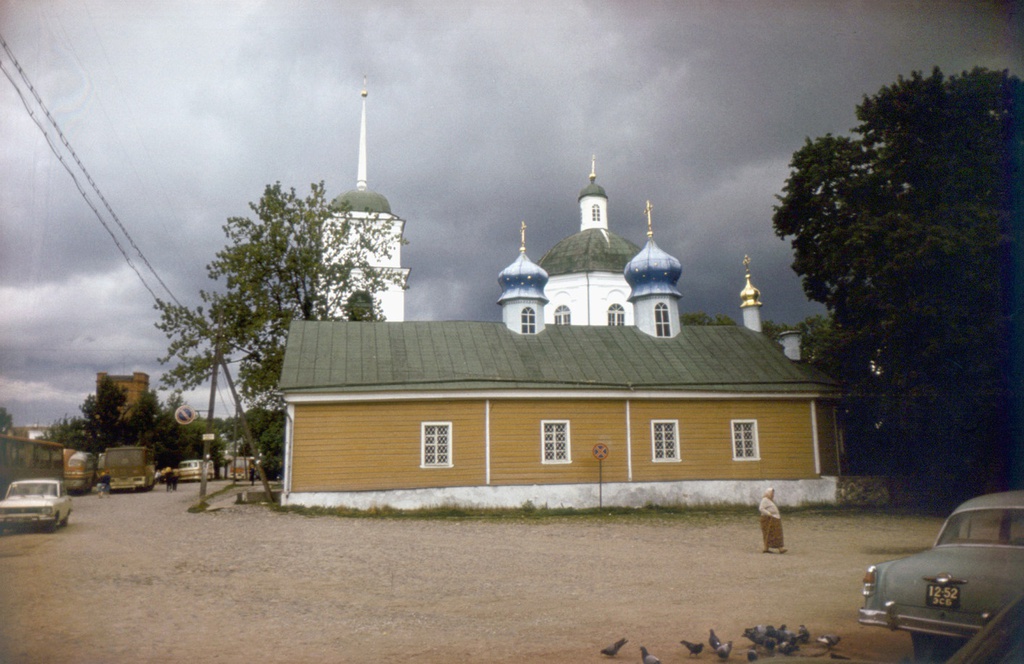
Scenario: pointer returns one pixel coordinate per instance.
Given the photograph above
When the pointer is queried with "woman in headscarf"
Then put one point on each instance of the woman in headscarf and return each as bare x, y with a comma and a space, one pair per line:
771, 523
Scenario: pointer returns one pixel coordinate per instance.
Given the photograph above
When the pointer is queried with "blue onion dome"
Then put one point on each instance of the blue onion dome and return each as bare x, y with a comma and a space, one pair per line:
653, 272
361, 200
523, 279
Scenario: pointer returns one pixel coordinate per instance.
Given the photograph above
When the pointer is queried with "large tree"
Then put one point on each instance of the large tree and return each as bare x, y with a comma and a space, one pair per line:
103, 417
903, 230
295, 259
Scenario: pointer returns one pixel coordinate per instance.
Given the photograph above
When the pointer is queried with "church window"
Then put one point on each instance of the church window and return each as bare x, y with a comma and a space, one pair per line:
563, 316
436, 445
595, 213
665, 440
662, 326
528, 321
555, 442
744, 440
616, 315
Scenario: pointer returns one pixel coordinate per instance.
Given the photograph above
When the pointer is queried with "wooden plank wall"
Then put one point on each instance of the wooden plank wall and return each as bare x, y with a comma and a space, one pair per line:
366, 446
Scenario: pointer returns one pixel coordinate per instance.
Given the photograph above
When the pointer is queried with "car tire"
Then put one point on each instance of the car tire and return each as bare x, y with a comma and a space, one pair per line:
930, 648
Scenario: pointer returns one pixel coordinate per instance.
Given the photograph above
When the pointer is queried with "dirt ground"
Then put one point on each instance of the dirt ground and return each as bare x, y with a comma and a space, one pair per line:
137, 578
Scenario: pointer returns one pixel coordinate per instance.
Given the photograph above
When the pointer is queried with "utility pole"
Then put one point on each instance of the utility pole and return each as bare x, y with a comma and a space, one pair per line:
246, 431
209, 436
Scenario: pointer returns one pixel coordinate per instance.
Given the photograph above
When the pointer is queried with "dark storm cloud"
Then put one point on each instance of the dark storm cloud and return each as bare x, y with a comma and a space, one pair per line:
481, 115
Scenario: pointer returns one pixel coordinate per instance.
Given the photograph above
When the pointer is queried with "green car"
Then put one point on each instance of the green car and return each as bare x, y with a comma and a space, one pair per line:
945, 595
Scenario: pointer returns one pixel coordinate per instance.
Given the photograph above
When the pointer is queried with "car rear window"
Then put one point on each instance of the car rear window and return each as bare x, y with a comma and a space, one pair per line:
991, 526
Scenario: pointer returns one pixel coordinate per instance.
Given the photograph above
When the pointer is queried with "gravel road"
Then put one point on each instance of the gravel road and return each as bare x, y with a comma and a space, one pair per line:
137, 578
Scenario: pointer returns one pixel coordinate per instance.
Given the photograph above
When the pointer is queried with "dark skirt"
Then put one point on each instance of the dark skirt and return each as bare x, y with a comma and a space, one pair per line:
771, 531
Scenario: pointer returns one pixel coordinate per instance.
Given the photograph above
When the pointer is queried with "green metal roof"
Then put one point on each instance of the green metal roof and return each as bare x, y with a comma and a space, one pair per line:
592, 250
460, 355
361, 201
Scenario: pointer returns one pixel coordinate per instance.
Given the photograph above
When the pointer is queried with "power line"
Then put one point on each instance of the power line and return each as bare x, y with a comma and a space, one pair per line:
85, 172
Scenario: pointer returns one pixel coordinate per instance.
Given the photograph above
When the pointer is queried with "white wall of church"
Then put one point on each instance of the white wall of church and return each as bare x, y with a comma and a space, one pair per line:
588, 296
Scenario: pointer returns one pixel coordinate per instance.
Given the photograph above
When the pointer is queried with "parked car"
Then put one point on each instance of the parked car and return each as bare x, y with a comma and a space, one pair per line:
36, 502
192, 470
945, 595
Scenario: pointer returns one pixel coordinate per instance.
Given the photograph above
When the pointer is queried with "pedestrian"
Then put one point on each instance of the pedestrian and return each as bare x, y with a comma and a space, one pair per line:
104, 484
771, 523
166, 476
173, 479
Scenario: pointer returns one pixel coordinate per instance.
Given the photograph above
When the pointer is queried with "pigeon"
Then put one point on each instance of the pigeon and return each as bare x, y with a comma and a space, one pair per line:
769, 644
803, 635
694, 648
648, 658
752, 655
613, 649
714, 641
828, 639
787, 647
724, 649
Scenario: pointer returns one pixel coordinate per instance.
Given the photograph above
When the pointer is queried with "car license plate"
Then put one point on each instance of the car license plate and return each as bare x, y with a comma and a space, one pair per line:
943, 597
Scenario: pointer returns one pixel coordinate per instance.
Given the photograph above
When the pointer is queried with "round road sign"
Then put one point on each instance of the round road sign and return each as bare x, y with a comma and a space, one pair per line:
185, 414
600, 451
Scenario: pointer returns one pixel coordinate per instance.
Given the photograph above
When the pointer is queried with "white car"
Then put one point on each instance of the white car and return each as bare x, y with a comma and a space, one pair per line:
36, 502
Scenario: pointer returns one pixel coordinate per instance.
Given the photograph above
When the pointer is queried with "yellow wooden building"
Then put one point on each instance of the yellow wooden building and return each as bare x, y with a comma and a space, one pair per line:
431, 413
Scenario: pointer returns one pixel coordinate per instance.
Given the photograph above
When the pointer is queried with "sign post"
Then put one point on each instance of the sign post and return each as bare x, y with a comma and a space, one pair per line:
600, 453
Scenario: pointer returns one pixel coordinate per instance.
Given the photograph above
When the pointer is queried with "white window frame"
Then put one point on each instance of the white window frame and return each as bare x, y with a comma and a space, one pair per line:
616, 315
662, 325
595, 213
737, 428
424, 442
563, 315
675, 456
528, 321
545, 439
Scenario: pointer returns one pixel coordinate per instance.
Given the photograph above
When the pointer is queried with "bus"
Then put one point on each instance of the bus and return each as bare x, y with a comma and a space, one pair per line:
80, 471
23, 459
130, 467
240, 467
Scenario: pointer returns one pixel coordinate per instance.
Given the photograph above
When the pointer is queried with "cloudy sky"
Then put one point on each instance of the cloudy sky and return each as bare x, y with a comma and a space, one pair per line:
481, 115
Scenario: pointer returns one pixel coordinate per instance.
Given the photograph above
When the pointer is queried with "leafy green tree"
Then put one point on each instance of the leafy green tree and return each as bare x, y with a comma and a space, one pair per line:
69, 432
103, 415
902, 231
295, 260
140, 420
6, 420
701, 318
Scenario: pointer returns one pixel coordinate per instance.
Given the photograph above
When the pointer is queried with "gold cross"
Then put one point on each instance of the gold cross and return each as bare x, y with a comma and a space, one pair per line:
647, 209
746, 263
522, 238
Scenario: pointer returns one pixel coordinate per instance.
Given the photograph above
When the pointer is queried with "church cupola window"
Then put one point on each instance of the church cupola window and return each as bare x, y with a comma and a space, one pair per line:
662, 325
528, 321
563, 316
595, 213
616, 315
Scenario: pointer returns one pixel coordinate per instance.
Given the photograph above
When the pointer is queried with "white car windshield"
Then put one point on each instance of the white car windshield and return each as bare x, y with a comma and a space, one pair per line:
31, 489
990, 526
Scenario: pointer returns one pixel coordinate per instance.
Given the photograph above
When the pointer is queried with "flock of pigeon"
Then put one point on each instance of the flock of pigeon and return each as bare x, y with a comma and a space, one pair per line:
765, 641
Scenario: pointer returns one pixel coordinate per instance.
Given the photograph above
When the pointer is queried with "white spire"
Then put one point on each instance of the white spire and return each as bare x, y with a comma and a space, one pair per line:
361, 176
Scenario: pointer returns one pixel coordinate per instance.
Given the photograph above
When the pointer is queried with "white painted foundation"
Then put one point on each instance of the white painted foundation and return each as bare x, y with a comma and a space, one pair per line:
618, 494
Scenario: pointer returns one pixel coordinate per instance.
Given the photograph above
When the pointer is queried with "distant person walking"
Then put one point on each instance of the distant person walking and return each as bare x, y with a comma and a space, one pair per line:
104, 484
771, 523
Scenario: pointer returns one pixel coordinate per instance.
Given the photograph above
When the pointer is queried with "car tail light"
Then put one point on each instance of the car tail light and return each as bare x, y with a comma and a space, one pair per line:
870, 578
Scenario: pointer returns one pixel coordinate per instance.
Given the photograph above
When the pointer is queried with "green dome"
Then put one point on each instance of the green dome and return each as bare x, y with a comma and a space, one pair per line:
361, 201
592, 189
592, 250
